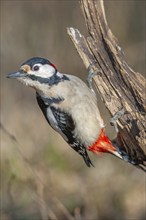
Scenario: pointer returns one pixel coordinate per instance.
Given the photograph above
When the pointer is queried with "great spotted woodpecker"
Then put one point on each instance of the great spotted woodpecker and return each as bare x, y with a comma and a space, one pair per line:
69, 106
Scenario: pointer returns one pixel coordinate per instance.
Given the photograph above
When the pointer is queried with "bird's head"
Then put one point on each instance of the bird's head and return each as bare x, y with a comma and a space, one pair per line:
36, 71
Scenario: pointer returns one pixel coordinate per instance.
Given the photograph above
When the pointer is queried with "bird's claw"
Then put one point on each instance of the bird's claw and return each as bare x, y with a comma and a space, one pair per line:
117, 116
91, 75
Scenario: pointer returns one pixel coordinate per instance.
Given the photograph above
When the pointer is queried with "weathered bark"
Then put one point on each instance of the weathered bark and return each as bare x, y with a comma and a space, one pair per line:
118, 85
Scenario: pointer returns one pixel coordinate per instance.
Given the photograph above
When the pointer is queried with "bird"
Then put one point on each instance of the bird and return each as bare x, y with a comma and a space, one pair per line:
70, 108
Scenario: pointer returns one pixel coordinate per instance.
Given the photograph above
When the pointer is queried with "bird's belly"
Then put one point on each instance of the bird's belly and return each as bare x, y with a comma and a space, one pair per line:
88, 133
88, 126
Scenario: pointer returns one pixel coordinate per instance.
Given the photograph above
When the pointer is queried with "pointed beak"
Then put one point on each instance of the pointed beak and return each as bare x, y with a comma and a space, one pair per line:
17, 74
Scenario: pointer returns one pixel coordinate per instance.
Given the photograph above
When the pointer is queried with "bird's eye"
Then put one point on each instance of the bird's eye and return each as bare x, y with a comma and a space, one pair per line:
35, 68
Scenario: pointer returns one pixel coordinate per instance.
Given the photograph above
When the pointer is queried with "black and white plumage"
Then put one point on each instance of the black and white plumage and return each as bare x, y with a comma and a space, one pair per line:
61, 102
63, 123
70, 108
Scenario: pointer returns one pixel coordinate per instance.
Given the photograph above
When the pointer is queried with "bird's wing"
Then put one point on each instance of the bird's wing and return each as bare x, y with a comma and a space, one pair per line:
67, 127
63, 123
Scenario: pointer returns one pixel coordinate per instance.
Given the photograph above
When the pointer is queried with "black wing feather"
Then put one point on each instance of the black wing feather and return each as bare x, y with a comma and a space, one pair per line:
65, 123
67, 126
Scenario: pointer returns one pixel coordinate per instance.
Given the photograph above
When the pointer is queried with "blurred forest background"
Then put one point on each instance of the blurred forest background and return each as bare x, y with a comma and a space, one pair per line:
41, 176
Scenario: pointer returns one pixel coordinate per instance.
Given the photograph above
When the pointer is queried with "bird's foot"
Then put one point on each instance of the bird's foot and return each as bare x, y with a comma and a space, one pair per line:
117, 116
91, 75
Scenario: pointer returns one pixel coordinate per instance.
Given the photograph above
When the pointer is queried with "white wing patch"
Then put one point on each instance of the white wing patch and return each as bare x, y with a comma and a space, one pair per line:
54, 123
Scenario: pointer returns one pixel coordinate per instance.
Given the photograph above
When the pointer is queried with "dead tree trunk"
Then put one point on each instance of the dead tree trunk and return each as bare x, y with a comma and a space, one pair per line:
118, 85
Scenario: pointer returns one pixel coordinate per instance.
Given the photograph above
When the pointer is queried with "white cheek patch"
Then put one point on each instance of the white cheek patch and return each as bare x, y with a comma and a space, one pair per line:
45, 71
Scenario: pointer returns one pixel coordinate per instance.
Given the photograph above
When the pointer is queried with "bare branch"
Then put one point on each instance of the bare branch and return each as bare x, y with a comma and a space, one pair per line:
118, 85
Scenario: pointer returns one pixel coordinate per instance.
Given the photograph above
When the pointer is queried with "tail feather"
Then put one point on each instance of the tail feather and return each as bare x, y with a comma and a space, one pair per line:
137, 163
103, 144
135, 156
141, 166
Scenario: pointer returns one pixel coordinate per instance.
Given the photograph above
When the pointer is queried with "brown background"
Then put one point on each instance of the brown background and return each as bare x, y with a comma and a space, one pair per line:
111, 190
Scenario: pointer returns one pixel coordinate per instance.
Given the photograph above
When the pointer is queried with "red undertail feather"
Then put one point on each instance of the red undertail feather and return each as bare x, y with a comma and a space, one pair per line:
103, 144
